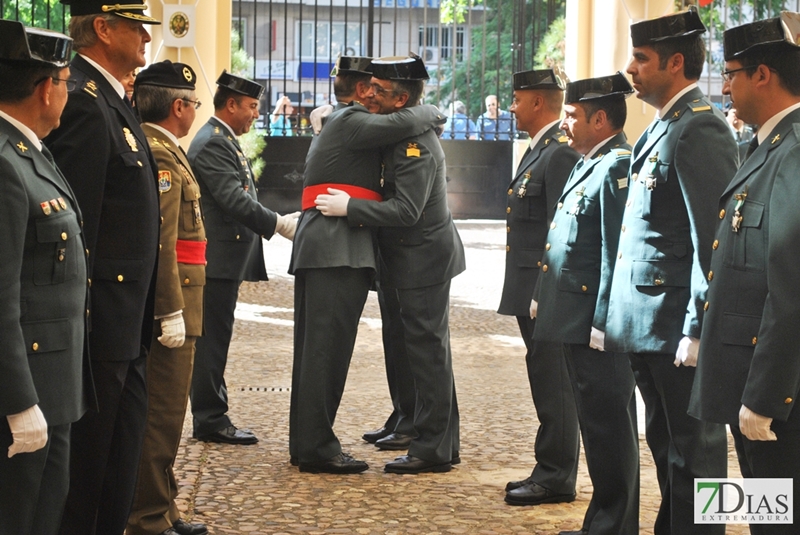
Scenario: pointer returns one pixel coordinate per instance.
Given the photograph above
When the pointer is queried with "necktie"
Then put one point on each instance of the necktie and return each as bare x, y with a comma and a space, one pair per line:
49, 155
127, 101
753, 146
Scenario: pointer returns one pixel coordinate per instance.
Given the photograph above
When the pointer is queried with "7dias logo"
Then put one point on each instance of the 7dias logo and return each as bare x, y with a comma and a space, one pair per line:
743, 501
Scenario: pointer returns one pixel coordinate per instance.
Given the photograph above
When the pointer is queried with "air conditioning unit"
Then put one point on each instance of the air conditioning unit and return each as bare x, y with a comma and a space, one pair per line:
429, 54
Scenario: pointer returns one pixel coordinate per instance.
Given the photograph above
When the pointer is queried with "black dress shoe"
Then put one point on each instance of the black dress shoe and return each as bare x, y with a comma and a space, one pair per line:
535, 494
374, 436
230, 435
341, 464
511, 485
579, 532
406, 464
394, 441
185, 528
169, 531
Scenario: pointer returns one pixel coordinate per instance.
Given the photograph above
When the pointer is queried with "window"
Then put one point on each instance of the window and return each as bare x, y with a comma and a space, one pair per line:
329, 40
432, 50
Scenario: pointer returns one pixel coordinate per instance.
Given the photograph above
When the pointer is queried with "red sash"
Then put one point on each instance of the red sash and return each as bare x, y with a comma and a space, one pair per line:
310, 193
191, 252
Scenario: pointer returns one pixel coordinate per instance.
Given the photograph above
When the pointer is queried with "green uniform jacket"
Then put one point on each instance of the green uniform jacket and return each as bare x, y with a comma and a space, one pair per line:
581, 247
544, 169
347, 152
679, 167
43, 286
179, 286
418, 241
234, 219
749, 351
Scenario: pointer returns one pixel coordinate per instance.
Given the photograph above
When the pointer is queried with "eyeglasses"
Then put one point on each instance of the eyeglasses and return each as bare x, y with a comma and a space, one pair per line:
71, 84
196, 103
379, 90
726, 75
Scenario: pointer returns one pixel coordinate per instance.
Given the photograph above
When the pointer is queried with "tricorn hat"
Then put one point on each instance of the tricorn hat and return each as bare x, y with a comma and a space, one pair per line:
778, 32
538, 79
616, 85
133, 10
240, 85
167, 74
351, 65
684, 24
399, 68
33, 45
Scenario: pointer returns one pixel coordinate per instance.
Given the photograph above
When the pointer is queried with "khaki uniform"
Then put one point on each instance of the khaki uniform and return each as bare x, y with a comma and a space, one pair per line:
179, 286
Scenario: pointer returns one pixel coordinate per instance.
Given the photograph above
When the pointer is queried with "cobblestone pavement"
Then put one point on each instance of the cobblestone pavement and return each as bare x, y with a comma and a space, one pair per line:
254, 489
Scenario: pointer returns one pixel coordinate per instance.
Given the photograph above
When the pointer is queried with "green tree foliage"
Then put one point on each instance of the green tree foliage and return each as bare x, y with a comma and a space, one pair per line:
39, 13
550, 54
253, 142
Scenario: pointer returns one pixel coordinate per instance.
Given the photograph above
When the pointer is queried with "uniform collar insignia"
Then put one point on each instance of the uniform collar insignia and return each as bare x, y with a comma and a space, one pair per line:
21, 146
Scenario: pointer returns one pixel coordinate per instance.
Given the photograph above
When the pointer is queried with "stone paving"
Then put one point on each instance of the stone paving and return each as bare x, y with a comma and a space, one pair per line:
254, 489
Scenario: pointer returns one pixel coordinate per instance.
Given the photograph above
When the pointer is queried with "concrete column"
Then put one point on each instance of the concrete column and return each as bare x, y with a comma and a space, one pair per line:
211, 52
598, 43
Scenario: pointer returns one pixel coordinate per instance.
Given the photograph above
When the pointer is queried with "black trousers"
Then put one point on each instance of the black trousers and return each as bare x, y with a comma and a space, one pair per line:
105, 450
209, 393
327, 309
683, 447
557, 445
33, 486
604, 394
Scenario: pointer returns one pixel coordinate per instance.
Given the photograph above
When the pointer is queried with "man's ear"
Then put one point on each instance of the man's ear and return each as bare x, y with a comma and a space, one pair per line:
102, 29
401, 100
44, 90
177, 107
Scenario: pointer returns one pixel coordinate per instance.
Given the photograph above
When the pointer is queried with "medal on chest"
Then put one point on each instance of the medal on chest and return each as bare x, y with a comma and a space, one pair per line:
650, 179
523, 188
736, 218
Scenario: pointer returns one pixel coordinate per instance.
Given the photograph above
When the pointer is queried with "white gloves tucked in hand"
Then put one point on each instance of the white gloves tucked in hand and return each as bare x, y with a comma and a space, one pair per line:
754, 426
534, 308
286, 225
173, 331
687, 352
597, 340
29, 430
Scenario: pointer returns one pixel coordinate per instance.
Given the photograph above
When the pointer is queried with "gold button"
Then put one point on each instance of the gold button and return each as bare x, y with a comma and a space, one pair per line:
159, 246
538, 264
547, 247
237, 236
553, 225
755, 339
560, 205
508, 229
722, 213
710, 275
584, 288
508, 210
658, 282
705, 307
120, 278
508, 248
544, 268
623, 228
510, 191
619, 255
715, 245
186, 280
87, 252
635, 177
87, 312
89, 282
788, 400
35, 346
140, 163
162, 220
64, 236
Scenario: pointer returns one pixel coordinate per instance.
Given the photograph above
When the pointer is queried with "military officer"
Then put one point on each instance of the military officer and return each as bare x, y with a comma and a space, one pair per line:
235, 222
166, 100
572, 296
334, 264
116, 189
679, 166
43, 281
532, 196
419, 257
748, 367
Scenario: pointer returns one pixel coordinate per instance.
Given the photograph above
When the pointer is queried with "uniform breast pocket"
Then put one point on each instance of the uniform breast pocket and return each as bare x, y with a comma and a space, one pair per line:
746, 249
57, 248
654, 277
191, 215
133, 160
654, 177
580, 213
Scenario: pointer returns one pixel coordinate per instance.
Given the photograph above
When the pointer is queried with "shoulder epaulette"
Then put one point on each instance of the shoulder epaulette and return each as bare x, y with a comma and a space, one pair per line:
698, 106
90, 87
621, 153
562, 139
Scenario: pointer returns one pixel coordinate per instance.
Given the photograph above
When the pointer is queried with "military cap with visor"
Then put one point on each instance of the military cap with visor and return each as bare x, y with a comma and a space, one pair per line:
167, 74
133, 10
399, 68
684, 24
33, 45
614, 86
538, 79
352, 65
776, 35
240, 85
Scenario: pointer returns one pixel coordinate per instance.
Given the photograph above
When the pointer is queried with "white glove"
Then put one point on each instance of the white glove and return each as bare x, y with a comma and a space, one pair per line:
333, 204
597, 340
286, 225
687, 352
754, 426
534, 308
29, 429
173, 331
316, 116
